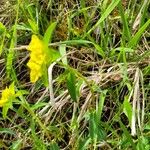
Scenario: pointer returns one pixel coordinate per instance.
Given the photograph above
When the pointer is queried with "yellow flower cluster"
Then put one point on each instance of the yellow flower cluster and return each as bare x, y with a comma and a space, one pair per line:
37, 58
6, 95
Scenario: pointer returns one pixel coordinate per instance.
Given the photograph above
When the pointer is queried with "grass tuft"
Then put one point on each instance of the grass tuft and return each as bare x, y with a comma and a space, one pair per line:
93, 90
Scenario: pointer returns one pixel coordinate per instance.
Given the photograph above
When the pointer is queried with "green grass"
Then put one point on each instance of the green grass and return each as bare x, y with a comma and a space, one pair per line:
94, 93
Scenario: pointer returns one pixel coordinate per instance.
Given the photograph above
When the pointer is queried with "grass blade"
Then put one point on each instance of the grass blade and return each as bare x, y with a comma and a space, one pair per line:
128, 136
48, 34
137, 36
10, 56
3, 34
101, 104
62, 50
105, 15
71, 86
127, 109
126, 32
7, 131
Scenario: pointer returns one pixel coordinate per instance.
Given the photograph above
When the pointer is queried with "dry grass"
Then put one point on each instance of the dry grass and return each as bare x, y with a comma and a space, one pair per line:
99, 118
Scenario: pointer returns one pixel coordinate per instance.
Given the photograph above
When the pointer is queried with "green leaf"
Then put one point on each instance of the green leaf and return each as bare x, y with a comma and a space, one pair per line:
52, 55
6, 130
128, 136
146, 70
126, 50
6, 108
76, 42
45, 73
147, 127
71, 81
143, 143
127, 109
39, 105
101, 104
78, 86
48, 34
95, 130
99, 50
83, 143
93, 126
38, 142
109, 9
23, 27
133, 42
2, 36
54, 146
62, 50
33, 25
21, 92
126, 31
2, 28
16, 145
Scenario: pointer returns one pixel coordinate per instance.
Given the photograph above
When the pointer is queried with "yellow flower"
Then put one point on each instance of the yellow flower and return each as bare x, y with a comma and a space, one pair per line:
35, 71
6, 95
37, 58
36, 45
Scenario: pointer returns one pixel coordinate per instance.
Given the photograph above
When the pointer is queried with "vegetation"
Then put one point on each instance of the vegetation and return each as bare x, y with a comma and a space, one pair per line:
74, 74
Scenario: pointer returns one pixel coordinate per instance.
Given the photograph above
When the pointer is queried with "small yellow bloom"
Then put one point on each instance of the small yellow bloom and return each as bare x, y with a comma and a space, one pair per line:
35, 72
6, 95
37, 58
36, 45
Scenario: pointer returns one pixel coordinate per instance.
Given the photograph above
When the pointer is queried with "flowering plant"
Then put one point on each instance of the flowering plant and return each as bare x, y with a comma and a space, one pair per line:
37, 58
41, 55
8, 95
